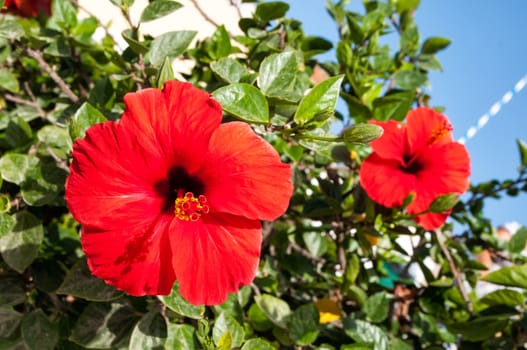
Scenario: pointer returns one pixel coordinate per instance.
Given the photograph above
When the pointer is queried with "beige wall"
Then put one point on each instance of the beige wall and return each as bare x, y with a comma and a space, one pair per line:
188, 17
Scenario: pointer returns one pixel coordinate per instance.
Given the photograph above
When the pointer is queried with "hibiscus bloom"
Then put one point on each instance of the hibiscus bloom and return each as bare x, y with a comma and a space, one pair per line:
28, 8
169, 193
419, 158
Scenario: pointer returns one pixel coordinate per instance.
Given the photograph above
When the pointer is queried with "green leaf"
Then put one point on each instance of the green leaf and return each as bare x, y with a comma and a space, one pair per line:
274, 308
513, 276
14, 166
80, 283
170, 44
434, 44
377, 307
159, 8
398, 344
84, 117
267, 11
20, 246
319, 104
409, 80
165, 73
522, 148
444, 202
225, 323
480, 328
257, 344
149, 333
243, 101
104, 325
7, 223
518, 240
220, 43
181, 336
278, 77
393, 106
429, 62
225, 342
344, 53
409, 40
361, 134
316, 243
9, 321
229, 69
55, 136
38, 332
131, 38
43, 183
405, 5
18, 133
10, 29
12, 290
303, 324
9, 81
231, 307
504, 297
175, 302
364, 332
102, 95
64, 14
259, 321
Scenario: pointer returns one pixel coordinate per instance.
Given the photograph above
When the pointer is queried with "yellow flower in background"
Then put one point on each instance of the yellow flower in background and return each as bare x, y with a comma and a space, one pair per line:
328, 309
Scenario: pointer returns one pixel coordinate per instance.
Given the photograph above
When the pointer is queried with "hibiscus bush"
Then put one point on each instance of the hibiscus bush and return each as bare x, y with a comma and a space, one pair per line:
232, 205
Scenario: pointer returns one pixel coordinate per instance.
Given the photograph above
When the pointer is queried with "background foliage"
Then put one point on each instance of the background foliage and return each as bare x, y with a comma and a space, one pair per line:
333, 272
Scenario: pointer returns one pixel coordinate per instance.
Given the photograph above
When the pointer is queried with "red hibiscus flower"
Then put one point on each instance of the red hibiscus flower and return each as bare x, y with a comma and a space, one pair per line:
168, 193
420, 157
28, 8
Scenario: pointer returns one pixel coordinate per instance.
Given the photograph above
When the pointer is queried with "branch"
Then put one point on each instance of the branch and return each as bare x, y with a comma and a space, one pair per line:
45, 67
455, 271
204, 14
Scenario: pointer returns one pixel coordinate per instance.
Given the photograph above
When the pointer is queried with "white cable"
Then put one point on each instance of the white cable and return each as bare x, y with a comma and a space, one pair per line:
494, 110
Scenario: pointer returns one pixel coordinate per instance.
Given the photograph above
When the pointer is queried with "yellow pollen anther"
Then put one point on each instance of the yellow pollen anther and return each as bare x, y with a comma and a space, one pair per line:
190, 208
438, 133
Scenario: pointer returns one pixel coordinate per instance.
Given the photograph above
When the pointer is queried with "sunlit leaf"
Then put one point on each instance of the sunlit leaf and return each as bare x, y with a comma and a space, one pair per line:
244, 101
159, 8
513, 276
274, 308
170, 44
320, 102
175, 302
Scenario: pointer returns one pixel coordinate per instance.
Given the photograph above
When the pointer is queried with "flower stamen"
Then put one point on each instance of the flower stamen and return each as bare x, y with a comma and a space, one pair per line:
438, 133
190, 208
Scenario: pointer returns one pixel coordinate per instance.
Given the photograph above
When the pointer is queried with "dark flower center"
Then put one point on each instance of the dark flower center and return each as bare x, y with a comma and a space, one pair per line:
174, 189
411, 164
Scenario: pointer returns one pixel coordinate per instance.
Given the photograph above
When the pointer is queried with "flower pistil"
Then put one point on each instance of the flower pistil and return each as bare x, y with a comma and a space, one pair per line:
190, 208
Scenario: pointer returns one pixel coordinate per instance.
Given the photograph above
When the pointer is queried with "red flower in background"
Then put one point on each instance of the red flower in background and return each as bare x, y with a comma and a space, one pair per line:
28, 8
418, 157
168, 193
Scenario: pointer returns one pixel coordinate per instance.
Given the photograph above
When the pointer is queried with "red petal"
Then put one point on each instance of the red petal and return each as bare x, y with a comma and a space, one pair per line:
421, 126
384, 182
175, 122
391, 145
111, 182
244, 175
137, 260
446, 169
431, 221
214, 256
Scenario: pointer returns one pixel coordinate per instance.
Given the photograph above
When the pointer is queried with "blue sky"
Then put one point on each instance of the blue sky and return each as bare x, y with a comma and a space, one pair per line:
487, 57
